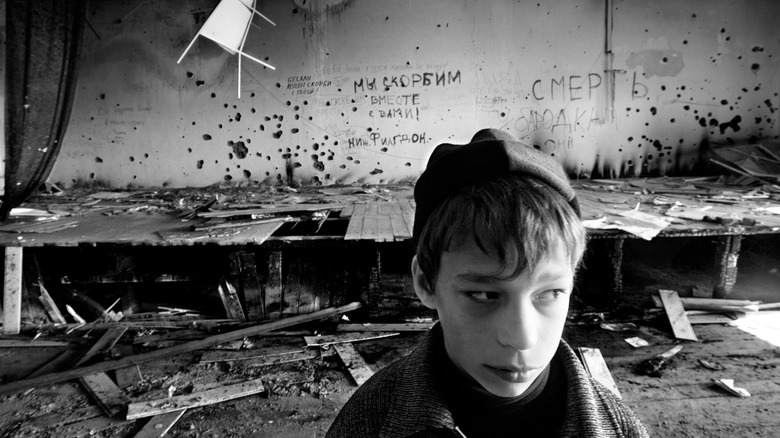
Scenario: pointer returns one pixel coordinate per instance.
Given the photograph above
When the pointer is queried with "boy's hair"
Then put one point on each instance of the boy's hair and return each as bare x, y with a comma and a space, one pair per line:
505, 215
506, 195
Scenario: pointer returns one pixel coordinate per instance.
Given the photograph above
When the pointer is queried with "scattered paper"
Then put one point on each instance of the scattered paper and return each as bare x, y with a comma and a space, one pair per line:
728, 385
637, 342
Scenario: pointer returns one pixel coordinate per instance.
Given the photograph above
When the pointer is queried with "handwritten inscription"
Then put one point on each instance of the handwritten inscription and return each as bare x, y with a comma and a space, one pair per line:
413, 80
375, 139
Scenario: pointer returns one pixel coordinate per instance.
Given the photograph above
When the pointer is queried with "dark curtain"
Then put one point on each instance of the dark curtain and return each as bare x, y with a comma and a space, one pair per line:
42, 52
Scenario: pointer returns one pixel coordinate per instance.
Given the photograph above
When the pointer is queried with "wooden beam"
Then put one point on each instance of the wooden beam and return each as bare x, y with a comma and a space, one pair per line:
321, 341
12, 290
127, 361
105, 392
676, 313
51, 307
203, 398
371, 327
357, 367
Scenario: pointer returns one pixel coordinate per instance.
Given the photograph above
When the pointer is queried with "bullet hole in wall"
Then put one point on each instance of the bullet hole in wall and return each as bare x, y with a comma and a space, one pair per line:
277, 134
98, 160
206, 137
247, 174
228, 177
103, 96
200, 83
132, 158
199, 164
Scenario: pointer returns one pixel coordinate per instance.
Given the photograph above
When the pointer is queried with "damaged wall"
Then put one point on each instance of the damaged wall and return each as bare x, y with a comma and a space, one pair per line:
364, 89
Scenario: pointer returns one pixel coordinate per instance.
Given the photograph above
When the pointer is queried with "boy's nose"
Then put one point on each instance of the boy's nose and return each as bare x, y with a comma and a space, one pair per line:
518, 329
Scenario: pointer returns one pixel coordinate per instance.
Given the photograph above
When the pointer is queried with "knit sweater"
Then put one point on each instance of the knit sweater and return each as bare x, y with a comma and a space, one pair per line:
405, 399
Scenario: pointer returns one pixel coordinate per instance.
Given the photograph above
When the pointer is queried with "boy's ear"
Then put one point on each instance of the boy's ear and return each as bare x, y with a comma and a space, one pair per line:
421, 286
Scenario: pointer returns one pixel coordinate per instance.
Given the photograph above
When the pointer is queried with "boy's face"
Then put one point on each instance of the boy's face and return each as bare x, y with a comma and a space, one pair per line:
501, 332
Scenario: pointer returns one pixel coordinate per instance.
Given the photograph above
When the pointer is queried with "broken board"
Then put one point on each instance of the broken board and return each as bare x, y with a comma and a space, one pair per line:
159, 425
104, 391
676, 313
170, 404
357, 367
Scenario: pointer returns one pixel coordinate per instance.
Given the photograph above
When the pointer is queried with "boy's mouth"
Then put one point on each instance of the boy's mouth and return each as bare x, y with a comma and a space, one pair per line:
513, 374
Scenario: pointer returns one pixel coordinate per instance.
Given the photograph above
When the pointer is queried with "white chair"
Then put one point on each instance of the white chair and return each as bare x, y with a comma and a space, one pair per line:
228, 26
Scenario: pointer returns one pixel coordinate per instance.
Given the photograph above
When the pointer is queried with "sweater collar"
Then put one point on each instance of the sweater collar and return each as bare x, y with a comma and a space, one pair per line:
419, 392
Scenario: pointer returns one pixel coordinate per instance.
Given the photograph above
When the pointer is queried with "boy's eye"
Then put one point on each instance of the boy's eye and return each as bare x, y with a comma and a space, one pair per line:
551, 295
482, 297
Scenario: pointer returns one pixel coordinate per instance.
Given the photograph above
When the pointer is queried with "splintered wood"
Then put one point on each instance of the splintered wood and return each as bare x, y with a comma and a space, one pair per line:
358, 368
676, 313
108, 396
203, 398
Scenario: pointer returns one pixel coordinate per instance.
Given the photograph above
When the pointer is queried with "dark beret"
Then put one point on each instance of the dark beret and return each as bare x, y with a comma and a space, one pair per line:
490, 152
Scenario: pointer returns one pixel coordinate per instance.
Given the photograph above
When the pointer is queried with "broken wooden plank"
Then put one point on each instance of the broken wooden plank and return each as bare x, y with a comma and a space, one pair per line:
159, 425
271, 210
12, 290
196, 399
106, 393
357, 367
15, 343
321, 341
259, 360
595, 365
230, 300
126, 361
371, 327
274, 286
109, 338
676, 313
49, 305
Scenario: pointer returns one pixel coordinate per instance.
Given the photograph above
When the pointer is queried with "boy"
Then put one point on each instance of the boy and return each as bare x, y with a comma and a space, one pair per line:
499, 239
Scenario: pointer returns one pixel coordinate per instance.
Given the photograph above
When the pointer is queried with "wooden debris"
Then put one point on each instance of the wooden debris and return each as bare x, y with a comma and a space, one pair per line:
653, 367
12, 290
259, 360
594, 363
196, 399
322, 341
271, 210
159, 425
230, 300
16, 343
354, 362
174, 350
208, 226
371, 327
51, 307
75, 315
106, 393
103, 344
674, 311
